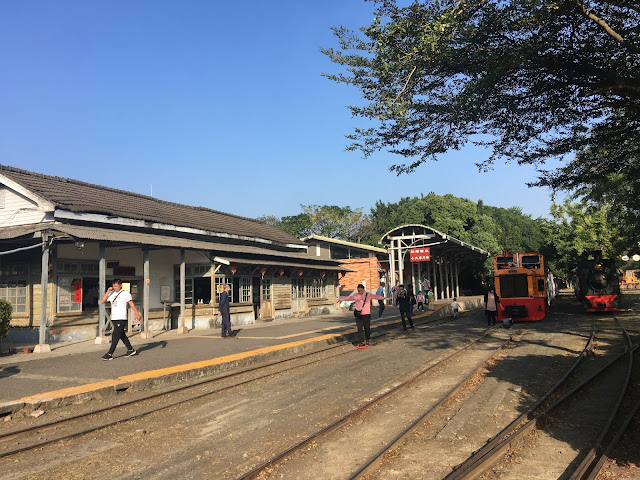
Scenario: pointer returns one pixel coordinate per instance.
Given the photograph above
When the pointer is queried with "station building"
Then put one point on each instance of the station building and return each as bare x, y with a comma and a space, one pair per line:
63, 241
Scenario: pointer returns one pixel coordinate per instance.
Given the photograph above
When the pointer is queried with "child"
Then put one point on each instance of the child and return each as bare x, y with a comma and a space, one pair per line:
507, 323
455, 307
430, 300
420, 300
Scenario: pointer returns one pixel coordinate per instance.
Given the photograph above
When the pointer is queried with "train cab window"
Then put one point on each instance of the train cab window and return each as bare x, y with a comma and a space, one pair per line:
531, 261
504, 262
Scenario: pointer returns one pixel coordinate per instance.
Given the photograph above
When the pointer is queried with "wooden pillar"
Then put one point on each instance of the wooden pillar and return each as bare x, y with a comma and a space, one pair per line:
440, 267
102, 287
42, 346
434, 285
145, 333
181, 326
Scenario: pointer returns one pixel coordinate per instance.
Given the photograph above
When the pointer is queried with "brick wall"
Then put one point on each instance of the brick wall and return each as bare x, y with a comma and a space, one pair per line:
366, 273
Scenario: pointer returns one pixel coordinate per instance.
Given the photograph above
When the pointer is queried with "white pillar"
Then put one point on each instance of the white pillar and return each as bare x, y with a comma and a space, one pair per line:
434, 285
102, 287
442, 286
446, 278
181, 327
42, 346
145, 333
457, 280
400, 262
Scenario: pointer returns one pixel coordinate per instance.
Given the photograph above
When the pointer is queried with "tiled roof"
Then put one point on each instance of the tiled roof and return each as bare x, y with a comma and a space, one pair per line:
81, 197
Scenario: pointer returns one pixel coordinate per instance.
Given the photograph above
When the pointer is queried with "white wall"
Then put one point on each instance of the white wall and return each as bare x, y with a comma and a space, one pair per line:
16, 209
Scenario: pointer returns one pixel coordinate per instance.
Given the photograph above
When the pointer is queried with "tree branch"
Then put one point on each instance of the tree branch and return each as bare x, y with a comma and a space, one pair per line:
606, 28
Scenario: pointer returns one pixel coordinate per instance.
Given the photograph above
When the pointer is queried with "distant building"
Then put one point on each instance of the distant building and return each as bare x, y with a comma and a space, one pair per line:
369, 264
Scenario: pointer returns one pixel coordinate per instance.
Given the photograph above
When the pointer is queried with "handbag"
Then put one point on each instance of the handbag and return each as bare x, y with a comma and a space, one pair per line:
356, 312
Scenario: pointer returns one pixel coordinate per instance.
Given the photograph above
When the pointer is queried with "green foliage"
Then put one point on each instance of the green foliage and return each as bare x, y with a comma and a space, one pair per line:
529, 79
576, 230
5, 319
330, 221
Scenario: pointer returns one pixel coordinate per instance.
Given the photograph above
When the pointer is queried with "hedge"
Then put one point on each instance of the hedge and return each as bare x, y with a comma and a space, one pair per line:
5, 319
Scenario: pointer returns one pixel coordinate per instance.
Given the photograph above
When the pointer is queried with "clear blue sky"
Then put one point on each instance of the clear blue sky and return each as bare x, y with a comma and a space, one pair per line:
216, 104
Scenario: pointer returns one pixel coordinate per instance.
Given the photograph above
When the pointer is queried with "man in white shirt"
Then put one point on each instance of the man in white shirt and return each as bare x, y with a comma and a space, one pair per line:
119, 300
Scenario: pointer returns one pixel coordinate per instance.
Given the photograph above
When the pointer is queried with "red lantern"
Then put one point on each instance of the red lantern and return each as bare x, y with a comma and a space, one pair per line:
233, 269
299, 272
263, 271
281, 271
322, 274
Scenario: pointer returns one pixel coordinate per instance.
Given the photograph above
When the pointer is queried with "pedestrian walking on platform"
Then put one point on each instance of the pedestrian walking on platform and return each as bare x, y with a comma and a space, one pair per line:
491, 302
404, 302
455, 306
223, 310
412, 299
420, 300
119, 300
362, 312
380, 292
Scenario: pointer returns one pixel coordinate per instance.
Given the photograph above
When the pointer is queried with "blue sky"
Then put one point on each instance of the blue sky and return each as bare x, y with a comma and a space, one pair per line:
209, 103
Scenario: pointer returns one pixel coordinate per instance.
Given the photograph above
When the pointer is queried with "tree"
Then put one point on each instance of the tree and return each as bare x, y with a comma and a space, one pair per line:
331, 221
530, 79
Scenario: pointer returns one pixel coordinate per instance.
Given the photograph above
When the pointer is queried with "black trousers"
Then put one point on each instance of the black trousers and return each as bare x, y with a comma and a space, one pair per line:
119, 327
406, 314
380, 308
364, 327
491, 317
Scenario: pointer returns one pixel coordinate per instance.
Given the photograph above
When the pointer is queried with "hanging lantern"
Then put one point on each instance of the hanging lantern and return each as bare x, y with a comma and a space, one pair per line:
281, 271
233, 269
263, 271
299, 272
323, 274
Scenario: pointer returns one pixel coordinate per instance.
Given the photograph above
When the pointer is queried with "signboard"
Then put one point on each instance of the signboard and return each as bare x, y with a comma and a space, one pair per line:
419, 254
165, 293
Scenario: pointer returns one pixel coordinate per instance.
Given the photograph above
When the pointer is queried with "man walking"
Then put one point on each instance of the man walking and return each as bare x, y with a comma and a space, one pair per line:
380, 292
119, 300
223, 310
404, 302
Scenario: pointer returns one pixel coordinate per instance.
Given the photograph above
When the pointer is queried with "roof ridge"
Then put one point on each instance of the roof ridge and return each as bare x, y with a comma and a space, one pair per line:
126, 192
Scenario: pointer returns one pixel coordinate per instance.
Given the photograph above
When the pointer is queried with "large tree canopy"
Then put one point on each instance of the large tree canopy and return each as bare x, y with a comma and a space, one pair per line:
530, 79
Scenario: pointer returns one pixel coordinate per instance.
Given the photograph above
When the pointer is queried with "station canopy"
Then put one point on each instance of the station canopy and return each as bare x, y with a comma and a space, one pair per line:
440, 244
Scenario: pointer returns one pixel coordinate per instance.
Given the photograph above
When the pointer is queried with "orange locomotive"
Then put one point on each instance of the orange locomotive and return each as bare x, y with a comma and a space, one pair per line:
524, 286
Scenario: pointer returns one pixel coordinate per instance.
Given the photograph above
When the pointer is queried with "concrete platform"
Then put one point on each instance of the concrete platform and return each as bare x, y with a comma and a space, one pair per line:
74, 373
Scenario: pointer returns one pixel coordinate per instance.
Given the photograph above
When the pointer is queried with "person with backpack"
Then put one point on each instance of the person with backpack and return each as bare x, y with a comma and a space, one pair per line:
362, 312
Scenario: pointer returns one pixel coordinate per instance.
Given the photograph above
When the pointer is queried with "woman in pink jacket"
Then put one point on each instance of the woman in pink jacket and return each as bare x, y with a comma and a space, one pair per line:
362, 312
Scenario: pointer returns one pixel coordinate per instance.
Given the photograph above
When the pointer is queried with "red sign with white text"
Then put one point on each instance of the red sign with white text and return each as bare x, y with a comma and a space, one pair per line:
419, 254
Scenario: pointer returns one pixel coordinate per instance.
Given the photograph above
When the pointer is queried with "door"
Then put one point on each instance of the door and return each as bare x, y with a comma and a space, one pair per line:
298, 300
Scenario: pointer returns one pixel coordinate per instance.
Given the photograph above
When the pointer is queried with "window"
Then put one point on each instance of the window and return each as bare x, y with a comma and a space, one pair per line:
266, 289
220, 283
339, 253
77, 285
316, 288
245, 289
13, 286
197, 283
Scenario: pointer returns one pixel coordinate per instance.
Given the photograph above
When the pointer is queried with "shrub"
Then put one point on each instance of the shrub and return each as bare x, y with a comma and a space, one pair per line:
5, 319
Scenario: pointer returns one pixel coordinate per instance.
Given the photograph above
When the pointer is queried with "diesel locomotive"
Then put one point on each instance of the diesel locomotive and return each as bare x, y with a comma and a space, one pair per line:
524, 285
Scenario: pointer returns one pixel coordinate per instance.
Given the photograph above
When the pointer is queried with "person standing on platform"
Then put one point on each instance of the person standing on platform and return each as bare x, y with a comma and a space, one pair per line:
455, 306
420, 300
394, 295
119, 300
491, 302
404, 302
426, 285
380, 292
223, 310
412, 299
430, 300
362, 312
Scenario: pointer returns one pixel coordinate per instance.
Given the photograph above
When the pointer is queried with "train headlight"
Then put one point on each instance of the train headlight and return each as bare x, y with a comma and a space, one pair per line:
598, 266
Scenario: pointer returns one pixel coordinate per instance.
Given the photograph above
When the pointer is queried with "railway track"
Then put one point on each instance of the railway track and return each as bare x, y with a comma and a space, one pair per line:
36, 436
585, 465
274, 463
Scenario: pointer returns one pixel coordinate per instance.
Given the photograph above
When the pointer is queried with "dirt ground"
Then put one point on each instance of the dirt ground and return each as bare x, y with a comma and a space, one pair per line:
228, 433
